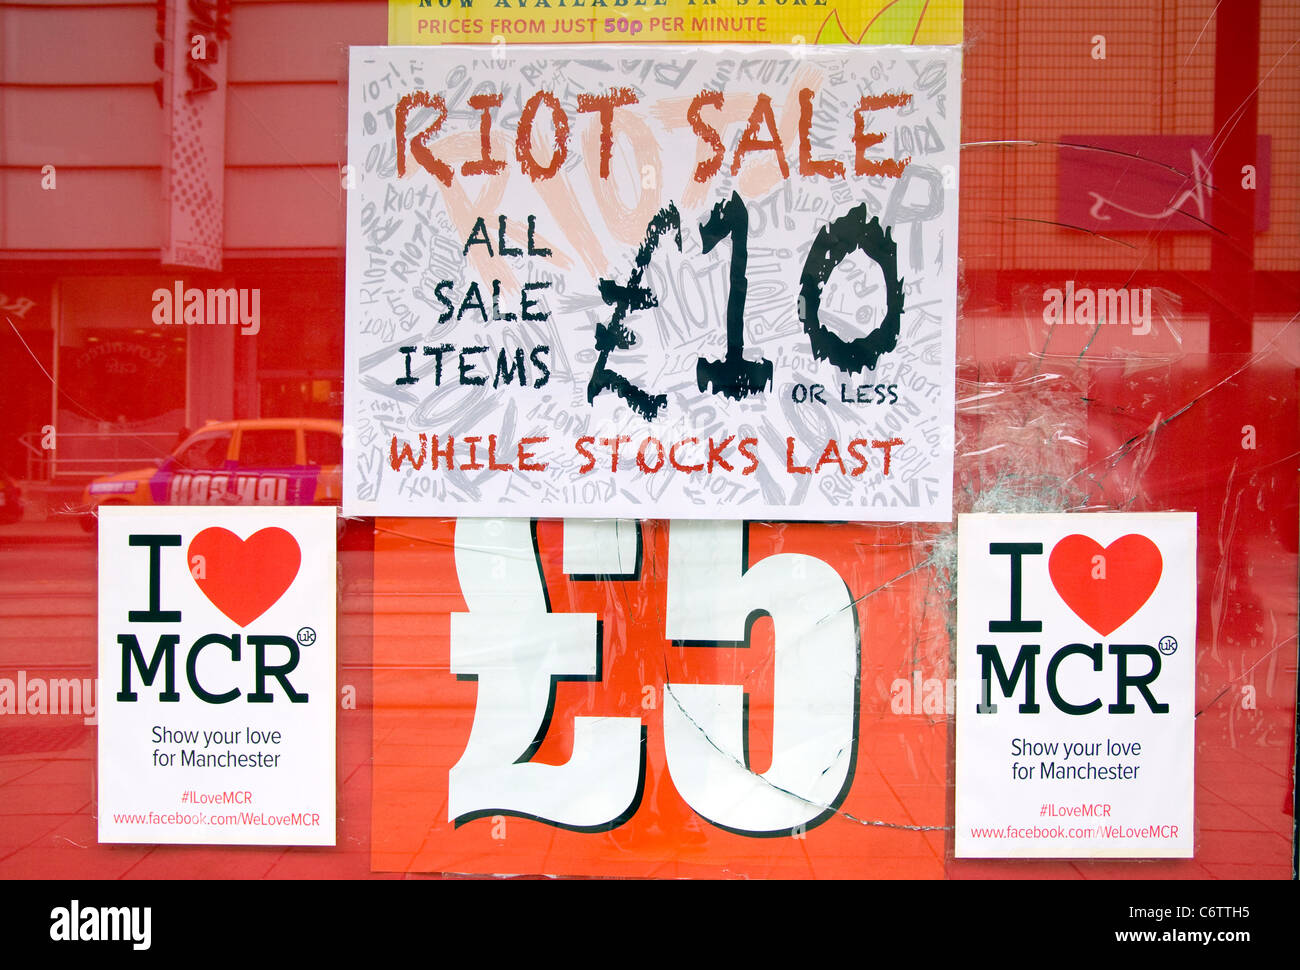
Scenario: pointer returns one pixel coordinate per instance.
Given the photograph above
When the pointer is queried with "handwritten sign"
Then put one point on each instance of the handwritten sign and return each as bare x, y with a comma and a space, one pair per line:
685, 283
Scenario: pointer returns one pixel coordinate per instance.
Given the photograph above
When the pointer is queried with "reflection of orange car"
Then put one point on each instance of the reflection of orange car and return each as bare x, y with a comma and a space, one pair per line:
290, 461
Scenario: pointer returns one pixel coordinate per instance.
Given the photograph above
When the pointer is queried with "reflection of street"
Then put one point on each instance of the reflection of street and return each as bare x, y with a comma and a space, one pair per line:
47, 602
47, 635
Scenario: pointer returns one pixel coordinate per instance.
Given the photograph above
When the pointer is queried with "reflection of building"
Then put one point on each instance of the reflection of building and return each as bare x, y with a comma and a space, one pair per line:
1139, 74
82, 176
83, 180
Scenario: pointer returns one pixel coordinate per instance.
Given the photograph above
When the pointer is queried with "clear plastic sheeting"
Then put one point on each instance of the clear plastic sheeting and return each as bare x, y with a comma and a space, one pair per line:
1085, 435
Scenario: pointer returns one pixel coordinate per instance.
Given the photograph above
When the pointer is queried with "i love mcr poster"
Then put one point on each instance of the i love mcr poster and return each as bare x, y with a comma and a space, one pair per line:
1076, 666
217, 670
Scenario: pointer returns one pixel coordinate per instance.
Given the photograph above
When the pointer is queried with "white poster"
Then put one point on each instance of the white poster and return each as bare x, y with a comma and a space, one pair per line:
217, 672
671, 282
1076, 662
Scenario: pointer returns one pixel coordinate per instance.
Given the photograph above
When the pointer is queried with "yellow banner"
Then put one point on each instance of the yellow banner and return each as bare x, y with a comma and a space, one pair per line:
675, 21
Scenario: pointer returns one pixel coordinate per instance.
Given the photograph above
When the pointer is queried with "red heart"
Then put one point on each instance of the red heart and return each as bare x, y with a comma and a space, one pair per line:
244, 577
1105, 587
